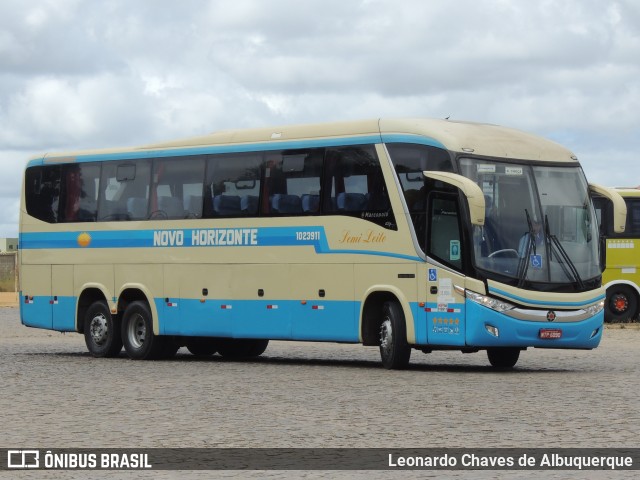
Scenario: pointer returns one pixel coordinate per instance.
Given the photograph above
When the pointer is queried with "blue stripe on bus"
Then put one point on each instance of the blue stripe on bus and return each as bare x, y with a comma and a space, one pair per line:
408, 138
189, 237
243, 148
322, 320
219, 149
330, 320
516, 298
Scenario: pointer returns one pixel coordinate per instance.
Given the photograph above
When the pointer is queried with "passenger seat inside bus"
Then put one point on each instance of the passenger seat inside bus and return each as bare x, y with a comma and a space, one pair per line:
282, 203
113, 211
194, 206
137, 208
171, 206
351, 202
249, 204
226, 205
310, 203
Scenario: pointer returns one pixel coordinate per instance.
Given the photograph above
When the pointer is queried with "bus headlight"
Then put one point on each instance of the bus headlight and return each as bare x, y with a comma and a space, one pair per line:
489, 302
595, 309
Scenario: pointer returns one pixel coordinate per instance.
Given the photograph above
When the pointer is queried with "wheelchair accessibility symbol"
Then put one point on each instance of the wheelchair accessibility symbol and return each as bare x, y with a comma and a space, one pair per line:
433, 276
536, 261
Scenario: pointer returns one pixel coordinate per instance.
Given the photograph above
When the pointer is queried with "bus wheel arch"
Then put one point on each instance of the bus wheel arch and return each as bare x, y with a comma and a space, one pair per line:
371, 314
138, 338
100, 327
89, 296
137, 293
384, 323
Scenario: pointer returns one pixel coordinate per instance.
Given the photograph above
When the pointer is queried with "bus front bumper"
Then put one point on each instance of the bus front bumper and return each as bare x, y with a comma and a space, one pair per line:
489, 328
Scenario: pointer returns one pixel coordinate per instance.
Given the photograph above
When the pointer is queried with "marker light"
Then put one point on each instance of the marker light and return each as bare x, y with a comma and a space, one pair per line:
489, 302
492, 330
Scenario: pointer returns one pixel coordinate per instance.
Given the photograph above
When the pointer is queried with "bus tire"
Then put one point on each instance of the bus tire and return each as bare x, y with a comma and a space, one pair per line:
503, 357
138, 338
102, 331
202, 346
256, 348
621, 304
394, 349
242, 348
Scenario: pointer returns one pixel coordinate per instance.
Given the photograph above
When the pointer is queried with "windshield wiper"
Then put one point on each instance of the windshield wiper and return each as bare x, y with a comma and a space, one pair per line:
523, 264
564, 260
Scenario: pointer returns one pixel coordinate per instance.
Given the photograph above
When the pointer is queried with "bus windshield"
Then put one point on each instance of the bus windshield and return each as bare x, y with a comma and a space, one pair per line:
539, 224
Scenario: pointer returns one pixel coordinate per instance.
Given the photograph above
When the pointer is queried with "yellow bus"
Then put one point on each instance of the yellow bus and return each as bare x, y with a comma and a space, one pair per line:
397, 233
621, 276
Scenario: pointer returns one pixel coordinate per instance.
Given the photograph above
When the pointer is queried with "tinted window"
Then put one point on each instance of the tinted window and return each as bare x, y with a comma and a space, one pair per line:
79, 192
177, 188
292, 182
409, 162
124, 191
337, 181
355, 185
63, 193
232, 187
633, 217
42, 190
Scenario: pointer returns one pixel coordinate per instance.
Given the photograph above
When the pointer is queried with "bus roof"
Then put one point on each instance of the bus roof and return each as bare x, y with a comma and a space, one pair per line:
457, 136
628, 191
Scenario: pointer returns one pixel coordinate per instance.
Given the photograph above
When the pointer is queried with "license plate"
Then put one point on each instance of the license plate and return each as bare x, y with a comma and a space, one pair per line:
550, 333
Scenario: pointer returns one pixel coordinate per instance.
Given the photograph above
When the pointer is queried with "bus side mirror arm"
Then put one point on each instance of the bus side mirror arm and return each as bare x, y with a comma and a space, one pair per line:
470, 189
619, 206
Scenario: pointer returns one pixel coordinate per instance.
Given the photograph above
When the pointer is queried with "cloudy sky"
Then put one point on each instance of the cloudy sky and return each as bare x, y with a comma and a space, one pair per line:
85, 74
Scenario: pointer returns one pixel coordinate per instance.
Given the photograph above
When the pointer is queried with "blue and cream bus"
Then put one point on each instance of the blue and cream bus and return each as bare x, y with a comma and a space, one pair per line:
402, 234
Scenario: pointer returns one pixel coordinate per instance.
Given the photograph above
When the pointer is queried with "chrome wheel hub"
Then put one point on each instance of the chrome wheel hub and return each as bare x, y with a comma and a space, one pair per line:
99, 329
386, 337
137, 331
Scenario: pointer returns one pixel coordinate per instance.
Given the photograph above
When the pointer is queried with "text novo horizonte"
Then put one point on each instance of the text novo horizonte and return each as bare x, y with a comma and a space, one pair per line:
206, 237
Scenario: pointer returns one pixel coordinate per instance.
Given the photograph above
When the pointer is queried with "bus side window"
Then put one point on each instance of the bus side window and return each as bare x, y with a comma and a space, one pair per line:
355, 185
633, 217
603, 210
42, 187
79, 192
232, 186
292, 182
124, 191
175, 181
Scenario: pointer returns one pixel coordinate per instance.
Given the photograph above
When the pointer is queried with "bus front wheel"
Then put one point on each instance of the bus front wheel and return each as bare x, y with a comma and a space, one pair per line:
139, 340
102, 331
394, 349
502, 357
621, 304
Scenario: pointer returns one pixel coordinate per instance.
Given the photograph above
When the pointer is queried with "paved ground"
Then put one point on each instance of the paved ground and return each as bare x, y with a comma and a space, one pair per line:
54, 395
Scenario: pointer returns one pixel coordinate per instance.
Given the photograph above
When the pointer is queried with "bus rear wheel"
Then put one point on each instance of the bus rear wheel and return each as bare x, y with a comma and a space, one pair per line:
621, 304
102, 331
503, 357
139, 340
395, 352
